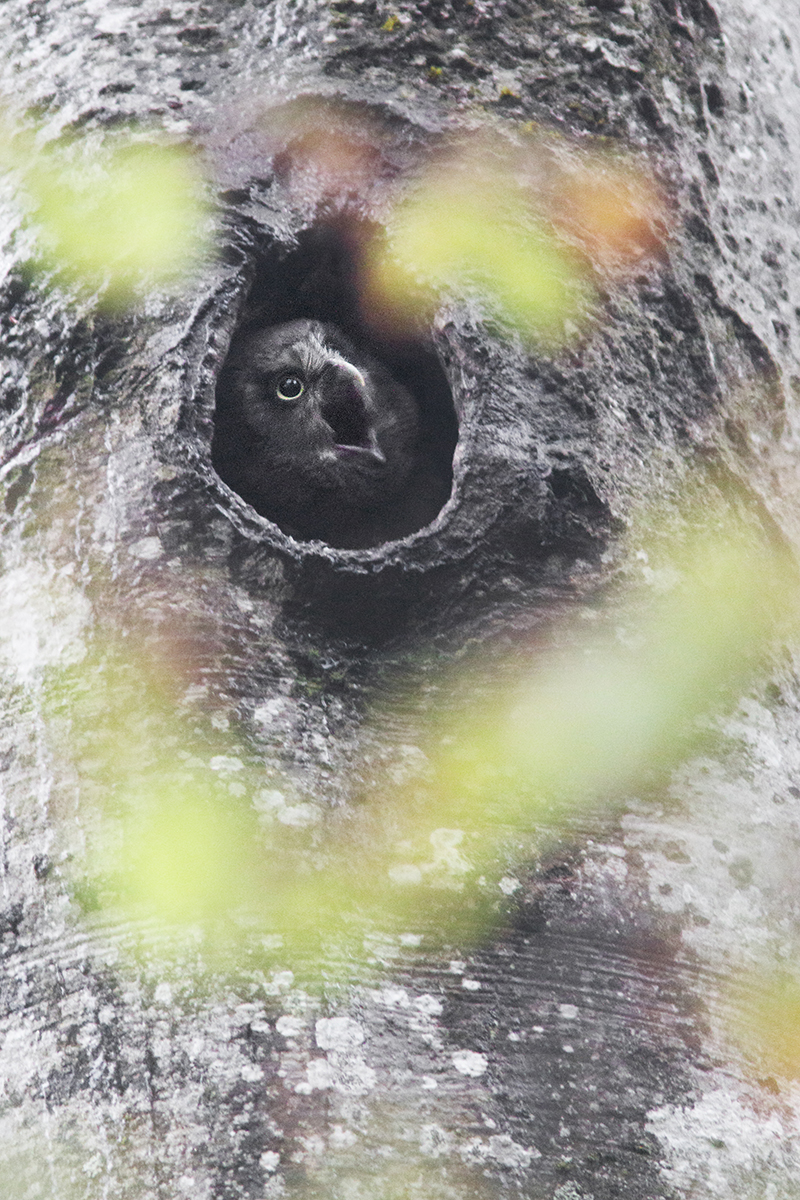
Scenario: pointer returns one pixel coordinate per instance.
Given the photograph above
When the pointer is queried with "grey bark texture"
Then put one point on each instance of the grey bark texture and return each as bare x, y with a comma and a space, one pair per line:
579, 1052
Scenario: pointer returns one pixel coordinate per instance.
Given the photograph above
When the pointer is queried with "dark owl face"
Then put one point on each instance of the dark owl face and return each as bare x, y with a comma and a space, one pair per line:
306, 422
314, 407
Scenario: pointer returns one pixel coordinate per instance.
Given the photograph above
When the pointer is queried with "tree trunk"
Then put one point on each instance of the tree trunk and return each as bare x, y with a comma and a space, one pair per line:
158, 627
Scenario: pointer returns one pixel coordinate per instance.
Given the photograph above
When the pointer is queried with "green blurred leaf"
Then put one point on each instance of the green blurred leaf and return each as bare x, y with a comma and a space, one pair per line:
118, 216
472, 237
581, 727
111, 217
764, 1019
597, 720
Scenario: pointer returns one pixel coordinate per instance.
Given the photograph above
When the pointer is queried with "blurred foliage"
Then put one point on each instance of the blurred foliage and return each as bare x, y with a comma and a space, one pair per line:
522, 224
110, 218
611, 206
519, 217
599, 719
763, 1015
518, 226
465, 237
191, 834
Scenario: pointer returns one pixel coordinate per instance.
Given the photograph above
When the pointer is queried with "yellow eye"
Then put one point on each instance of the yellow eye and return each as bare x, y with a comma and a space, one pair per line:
290, 387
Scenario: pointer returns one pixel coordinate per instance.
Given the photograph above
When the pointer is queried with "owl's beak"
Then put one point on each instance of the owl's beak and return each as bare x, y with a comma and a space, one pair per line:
348, 418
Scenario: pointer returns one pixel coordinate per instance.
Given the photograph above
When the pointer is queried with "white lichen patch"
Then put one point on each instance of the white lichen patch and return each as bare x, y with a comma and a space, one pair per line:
352, 1074
434, 1141
722, 1147
272, 805
225, 763
289, 1026
279, 981
502, 1149
393, 997
341, 1138
298, 816
268, 712
722, 868
148, 549
163, 994
45, 615
347, 1073
411, 762
405, 875
269, 1161
446, 868
470, 1062
338, 1033
446, 855
344, 1068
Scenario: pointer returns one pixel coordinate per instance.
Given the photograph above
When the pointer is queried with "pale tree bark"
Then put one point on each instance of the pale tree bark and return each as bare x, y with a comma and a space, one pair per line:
580, 1050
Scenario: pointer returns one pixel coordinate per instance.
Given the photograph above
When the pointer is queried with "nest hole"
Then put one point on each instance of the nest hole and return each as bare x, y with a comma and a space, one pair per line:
372, 439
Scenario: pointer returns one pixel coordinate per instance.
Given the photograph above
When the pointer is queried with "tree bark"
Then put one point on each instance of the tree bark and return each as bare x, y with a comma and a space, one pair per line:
581, 1050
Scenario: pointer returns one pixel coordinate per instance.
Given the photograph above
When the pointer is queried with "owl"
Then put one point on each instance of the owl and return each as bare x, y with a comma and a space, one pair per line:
318, 437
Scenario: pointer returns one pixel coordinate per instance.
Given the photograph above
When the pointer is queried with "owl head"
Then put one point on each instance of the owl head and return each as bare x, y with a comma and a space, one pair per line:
308, 424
